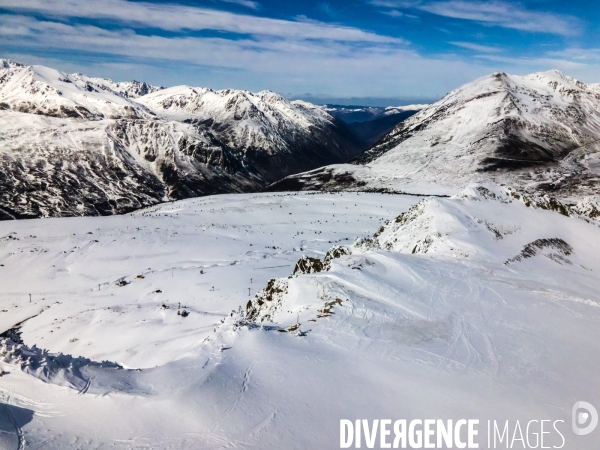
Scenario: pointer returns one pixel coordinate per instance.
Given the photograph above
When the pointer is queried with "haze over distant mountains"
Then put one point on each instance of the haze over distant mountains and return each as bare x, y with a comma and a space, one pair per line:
538, 132
372, 123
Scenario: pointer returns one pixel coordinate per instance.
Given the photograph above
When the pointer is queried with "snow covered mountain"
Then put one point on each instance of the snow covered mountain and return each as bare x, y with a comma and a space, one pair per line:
75, 145
128, 89
272, 135
540, 132
48, 92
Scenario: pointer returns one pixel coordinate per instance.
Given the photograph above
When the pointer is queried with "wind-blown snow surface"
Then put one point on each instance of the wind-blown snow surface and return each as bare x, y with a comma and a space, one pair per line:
72, 268
483, 306
74, 145
538, 132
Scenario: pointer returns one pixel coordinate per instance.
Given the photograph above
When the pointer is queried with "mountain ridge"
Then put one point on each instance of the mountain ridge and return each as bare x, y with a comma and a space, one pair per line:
539, 131
76, 145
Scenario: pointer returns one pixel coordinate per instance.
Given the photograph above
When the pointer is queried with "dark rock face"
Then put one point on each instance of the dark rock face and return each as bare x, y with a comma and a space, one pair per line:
306, 264
73, 183
553, 248
336, 143
108, 178
323, 179
372, 131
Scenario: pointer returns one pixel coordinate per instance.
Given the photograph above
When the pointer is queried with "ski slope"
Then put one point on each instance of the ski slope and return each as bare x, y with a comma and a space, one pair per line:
483, 305
74, 266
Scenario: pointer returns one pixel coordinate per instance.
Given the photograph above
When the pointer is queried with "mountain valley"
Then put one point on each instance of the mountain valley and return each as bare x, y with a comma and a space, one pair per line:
77, 146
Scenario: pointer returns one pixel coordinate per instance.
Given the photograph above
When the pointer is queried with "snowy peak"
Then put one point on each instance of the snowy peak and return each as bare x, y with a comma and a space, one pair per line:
538, 130
45, 91
517, 95
555, 80
264, 108
242, 119
9, 64
128, 89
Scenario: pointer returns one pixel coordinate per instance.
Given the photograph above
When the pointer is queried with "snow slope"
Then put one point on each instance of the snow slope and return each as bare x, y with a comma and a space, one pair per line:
74, 145
538, 132
483, 305
232, 238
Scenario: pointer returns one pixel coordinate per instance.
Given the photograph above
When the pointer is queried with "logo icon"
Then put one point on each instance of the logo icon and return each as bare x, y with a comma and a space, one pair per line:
584, 413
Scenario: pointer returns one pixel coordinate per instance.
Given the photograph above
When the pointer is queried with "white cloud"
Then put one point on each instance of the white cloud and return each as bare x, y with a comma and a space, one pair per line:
582, 71
247, 3
494, 13
392, 13
260, 63
578, 54
507, 15
396, 3
178, 18
205, 51
287, 56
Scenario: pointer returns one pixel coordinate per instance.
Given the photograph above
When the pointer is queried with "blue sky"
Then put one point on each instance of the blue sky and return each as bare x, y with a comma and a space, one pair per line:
344, 51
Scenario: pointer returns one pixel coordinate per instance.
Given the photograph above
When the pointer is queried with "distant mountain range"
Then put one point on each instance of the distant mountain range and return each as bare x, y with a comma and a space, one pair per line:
75, 145
538, 132
356, 114
372, 123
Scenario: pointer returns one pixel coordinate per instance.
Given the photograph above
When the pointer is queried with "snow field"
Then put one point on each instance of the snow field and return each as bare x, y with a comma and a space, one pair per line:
435, 319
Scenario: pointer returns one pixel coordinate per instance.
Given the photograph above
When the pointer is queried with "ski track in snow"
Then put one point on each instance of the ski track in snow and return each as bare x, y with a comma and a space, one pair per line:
19, 431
